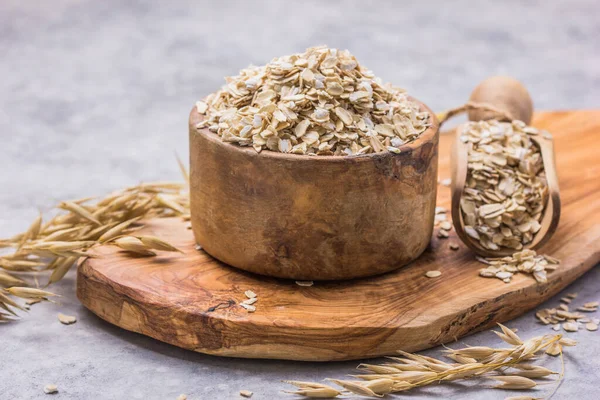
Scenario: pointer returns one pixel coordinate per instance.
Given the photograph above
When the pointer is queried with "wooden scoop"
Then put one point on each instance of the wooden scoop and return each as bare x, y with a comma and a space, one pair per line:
504, 98
551, 214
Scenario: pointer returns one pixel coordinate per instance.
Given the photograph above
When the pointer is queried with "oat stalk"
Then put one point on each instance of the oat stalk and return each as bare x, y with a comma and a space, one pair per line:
413, 370
54, 246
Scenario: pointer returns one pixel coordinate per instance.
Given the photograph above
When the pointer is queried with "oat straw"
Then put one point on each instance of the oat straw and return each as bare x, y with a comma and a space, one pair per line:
320, 102
54, 246
509, 365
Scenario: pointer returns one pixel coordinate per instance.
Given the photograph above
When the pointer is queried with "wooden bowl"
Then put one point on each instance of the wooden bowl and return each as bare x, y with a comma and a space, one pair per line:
312, 217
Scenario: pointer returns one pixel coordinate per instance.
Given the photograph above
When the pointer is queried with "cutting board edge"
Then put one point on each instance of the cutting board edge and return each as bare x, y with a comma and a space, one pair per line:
392, 336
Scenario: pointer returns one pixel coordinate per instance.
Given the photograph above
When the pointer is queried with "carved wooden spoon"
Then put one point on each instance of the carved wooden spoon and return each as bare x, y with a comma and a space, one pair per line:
551, 214
502, 98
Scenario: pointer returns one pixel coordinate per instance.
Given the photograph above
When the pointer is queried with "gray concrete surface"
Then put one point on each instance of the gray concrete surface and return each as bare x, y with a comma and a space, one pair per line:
94, 96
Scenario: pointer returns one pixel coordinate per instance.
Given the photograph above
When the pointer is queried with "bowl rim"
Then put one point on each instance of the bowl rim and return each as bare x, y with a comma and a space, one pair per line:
426, 137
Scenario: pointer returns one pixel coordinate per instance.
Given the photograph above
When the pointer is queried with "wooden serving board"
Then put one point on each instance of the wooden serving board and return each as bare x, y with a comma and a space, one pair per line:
191, 300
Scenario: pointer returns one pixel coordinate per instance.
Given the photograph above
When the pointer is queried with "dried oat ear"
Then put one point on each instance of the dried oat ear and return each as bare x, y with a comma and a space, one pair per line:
511, 367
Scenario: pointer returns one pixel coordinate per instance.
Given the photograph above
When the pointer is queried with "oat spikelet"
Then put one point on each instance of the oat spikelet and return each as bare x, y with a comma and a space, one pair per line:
512, 382
134, 245
8, 280
116, 230
5, 300
61, 268
170, 204
313, 390
380, 386
34, 230
157, 244
79, 210
29, 293
355, 387
476, 352
554, 349
508, 335
532, 371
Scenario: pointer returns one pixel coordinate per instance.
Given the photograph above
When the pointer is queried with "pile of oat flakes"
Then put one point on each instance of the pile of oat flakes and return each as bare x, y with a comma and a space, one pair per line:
506, 189
320, 102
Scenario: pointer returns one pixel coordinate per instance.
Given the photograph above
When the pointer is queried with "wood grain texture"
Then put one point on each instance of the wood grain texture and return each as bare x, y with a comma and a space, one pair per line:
190, 300
306, 217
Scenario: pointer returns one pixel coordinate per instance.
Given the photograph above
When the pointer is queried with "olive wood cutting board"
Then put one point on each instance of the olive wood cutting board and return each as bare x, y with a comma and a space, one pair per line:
191, 300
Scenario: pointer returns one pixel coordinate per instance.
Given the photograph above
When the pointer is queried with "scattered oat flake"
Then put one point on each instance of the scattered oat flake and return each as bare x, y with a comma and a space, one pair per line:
556, 327
250, 301
250, 294
525, 261
454, 246
304, 283
246, 393
201, 107
50, 389
446, 225
440, 210
320, 102
182, 397
438, 218
446, 182
590, 326
591, 304
442, 234
570, 327
433, 274
564, 307
566, 300
587, 309
67, 319
248, 307
572, 295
